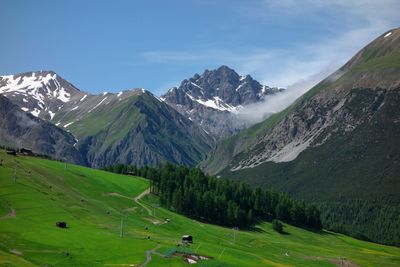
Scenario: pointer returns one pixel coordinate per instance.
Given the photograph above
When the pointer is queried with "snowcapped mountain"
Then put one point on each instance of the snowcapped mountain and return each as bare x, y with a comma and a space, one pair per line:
214, 98
42, 93
131, 127
48, 96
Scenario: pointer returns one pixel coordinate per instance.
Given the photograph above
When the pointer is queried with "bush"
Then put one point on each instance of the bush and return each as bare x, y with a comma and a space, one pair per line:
277, 226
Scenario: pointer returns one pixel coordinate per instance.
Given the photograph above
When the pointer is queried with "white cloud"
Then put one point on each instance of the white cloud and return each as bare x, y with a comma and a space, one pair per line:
351, 25
323, 58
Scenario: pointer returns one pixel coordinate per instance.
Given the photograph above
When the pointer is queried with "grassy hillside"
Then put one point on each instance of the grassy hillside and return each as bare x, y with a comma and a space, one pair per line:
360, 165
376, 66
140, 130
90, 201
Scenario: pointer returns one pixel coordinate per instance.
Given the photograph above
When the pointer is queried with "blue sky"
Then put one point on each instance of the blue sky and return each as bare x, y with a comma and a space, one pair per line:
114, 45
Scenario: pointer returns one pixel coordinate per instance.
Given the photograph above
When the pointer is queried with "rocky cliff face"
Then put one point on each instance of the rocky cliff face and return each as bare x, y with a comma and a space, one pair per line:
214, 99
41, 93
21, 129
337, 145
338, 105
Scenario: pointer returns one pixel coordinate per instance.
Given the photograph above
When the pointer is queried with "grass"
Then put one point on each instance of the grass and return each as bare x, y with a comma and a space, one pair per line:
113, 118
47, 192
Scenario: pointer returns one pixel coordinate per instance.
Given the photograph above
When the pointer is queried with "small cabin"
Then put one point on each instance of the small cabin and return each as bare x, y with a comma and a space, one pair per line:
26, 152
61, 224
187, 239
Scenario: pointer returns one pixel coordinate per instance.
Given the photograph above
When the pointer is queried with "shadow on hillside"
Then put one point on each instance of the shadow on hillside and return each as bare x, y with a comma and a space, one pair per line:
255, 229
318, 231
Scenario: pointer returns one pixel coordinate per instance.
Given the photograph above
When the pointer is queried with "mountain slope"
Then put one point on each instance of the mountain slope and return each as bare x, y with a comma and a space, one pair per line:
140, 130
47, 95
373, 71
42, 93
214, 99
91, 201
18, 128
130, 127
338, 142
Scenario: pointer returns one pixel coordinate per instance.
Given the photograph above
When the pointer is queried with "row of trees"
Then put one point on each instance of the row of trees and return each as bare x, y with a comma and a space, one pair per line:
190, 192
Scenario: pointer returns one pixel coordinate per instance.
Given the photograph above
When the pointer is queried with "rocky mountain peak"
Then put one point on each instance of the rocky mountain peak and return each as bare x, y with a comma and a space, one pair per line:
212, 96
39, 92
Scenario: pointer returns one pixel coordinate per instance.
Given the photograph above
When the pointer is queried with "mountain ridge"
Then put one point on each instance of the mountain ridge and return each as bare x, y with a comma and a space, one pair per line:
215, 99
339, 80
337, 143
22, 130
95, 121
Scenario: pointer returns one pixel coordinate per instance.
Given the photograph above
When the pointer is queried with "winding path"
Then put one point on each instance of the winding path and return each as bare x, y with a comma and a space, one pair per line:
137, 198
148, 255
150, 251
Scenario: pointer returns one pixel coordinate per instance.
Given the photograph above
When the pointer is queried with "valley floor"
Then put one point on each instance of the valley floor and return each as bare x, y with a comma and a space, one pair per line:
91, 203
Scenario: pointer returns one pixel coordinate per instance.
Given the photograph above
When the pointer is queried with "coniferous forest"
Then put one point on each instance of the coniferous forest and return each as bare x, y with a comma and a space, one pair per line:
349, 217
190, 192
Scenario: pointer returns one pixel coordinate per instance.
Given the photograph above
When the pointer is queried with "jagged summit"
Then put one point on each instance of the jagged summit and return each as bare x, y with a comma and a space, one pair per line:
41, 93
215, 96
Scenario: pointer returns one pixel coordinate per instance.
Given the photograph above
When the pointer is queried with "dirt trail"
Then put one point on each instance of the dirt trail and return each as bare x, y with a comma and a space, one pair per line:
117, 195
342, 262
136, 199
148, 255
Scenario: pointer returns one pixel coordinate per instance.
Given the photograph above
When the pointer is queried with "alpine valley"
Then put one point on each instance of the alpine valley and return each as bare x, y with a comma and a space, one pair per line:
312, 185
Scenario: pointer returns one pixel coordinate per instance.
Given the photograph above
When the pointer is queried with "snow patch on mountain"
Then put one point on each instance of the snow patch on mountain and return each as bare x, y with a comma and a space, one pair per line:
35, 112
36, 86
215, 103
240, 86
83, 98
387, 35
97, 105
51, 114
68, 124
196, 85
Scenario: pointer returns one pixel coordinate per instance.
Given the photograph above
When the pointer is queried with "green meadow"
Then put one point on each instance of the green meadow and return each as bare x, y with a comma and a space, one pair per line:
36, 193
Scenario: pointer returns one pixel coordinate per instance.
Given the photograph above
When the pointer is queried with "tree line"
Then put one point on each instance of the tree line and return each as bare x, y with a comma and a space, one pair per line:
190, 192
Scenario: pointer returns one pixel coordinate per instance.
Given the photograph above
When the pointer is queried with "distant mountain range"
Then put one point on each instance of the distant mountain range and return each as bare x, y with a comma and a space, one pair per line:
131, 127
134, 126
